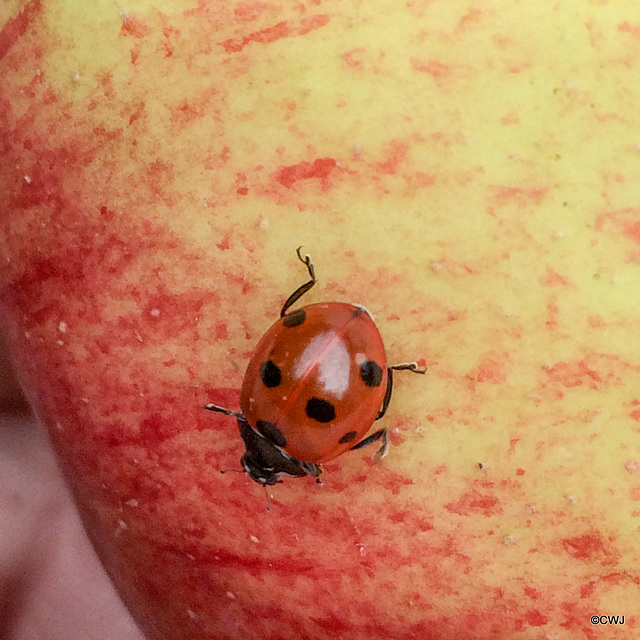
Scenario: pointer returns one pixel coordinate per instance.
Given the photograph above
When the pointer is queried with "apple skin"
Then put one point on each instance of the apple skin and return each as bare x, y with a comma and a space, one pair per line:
160, 167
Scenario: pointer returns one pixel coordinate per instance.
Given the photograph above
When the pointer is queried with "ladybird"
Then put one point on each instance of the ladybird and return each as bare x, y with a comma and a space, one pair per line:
315, 385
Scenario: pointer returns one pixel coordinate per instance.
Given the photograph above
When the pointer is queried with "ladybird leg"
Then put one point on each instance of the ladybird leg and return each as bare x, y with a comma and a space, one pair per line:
227, 412
374, 437
387, 394
383, 449
403, 366
408, 366
302, 289
315, 471
384, 433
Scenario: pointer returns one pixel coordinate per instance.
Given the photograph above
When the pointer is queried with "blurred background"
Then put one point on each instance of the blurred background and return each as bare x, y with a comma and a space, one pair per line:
52, 586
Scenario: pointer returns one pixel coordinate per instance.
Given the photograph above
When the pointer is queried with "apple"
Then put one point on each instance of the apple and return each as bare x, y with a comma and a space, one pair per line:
467, 172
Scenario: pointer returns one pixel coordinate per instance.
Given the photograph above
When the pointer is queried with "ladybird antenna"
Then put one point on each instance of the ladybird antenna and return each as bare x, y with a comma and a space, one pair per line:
233, 469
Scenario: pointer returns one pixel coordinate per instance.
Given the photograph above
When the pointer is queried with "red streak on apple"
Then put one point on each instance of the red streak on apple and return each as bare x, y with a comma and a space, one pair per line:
491, 371
205, 105
420, 180
632, 29
434, 68
532, 593
506, 195
572, 374
320, 168
632, 231
536, 619
17, 26
397, 153
586, 590
249, 11
131, 26
587, 546
624, 221
476, 502
354, 58
553, 279
276, 32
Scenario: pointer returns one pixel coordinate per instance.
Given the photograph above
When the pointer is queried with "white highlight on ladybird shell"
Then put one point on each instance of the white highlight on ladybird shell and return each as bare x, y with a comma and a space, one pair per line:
331, 357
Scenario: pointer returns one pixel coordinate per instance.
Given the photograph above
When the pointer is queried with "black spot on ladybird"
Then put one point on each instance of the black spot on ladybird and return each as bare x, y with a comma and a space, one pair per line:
371, 373
294, 319
320, 410
270, 374
271, 432
348, 437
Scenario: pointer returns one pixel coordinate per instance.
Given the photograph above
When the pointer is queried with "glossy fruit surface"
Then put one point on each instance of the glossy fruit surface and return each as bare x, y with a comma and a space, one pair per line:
467, 170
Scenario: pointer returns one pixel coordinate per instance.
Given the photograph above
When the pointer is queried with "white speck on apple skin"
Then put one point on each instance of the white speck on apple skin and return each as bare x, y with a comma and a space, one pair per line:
254, 539
62, 327
122, 526
27, 179
192, 614
230, 595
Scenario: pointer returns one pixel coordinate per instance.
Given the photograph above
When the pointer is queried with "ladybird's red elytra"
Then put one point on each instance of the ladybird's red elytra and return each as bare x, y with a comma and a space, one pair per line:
315, 385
